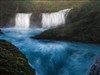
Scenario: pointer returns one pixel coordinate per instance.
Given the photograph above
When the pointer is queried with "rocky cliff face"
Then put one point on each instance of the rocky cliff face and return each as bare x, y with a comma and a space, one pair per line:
12, 61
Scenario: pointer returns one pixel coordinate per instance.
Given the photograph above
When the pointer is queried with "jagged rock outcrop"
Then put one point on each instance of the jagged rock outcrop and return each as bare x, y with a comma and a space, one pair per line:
95, 69
12, 61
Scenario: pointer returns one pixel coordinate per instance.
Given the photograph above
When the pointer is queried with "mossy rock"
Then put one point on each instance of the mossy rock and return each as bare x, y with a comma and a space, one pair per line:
12, 61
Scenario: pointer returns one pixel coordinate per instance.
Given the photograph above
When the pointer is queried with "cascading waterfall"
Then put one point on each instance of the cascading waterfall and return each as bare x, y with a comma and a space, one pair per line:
51, 20
22, 20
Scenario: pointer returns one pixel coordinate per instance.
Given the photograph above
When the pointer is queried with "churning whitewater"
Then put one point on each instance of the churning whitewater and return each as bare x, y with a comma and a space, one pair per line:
22, 20
51, 20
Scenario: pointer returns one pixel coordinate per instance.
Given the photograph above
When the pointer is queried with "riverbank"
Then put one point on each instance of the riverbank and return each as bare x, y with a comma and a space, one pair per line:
12, 61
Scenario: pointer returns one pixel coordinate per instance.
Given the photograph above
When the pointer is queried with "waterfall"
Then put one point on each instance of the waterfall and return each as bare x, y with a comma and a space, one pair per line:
51, 20
22, 20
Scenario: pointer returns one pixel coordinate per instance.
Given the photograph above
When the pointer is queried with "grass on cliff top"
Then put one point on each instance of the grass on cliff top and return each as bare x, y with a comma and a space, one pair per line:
38, 6
53, 6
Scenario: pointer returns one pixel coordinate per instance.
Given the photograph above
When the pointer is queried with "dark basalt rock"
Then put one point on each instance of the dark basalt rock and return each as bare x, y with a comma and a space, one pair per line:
95, 69
12, 61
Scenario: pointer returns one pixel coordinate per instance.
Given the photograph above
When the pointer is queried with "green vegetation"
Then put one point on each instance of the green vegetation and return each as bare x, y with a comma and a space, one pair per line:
83, 25
12, 61
53, 6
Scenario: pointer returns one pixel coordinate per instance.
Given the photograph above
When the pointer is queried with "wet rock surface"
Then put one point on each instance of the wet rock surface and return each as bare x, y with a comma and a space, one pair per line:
95, 69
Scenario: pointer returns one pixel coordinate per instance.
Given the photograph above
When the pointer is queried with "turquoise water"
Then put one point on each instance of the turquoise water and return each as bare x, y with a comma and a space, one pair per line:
52, 57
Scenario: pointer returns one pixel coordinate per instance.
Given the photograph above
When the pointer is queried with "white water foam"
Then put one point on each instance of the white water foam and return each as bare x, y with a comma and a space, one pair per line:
51, 20
22, 20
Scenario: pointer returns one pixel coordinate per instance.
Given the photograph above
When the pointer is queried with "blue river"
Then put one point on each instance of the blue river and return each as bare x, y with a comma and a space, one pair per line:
50, 57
